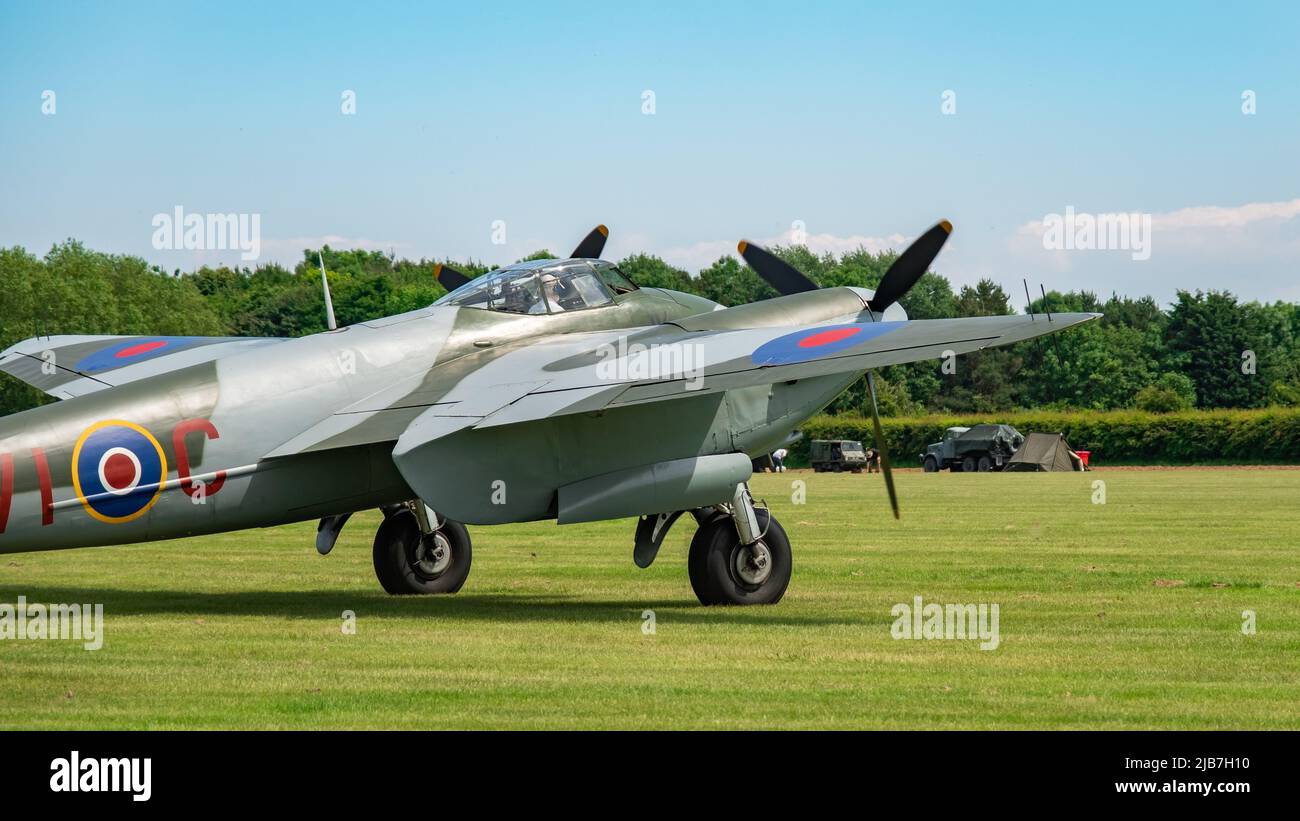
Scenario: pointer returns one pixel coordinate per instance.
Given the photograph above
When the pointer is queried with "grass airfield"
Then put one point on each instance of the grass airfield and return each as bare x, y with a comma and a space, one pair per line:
1126, 614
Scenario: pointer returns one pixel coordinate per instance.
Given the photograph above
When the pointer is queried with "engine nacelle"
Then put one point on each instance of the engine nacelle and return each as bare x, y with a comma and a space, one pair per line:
681, 484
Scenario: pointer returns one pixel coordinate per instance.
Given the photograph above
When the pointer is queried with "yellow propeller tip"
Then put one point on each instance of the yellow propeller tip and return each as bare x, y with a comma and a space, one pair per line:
947, 226
437, 271
604, 232
742, 246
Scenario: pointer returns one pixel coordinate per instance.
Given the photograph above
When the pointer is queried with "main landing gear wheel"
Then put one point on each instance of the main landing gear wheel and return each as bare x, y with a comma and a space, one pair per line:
723, 571
407, 562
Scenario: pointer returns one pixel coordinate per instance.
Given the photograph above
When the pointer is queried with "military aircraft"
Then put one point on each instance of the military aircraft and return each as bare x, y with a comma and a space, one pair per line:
551, 389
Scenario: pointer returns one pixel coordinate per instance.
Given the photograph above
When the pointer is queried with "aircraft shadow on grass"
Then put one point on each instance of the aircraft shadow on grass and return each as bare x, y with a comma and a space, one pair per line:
440, 610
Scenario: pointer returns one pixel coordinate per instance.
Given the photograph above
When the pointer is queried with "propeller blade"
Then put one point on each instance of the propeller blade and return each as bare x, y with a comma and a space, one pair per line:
450, 278
592, 244
909, 267
880, 446
330, 322
778, 273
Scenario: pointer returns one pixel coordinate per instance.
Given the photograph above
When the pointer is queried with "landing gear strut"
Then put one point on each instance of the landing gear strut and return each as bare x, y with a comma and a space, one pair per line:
418, 552
740, 555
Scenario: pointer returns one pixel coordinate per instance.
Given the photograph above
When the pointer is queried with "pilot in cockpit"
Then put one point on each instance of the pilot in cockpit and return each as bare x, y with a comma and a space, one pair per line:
552, 287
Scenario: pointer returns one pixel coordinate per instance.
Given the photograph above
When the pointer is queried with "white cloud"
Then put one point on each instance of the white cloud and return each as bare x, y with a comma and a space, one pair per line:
1214, 216
702, 254
1250, 249
286, 252
1184, 229
289, 251
697, 255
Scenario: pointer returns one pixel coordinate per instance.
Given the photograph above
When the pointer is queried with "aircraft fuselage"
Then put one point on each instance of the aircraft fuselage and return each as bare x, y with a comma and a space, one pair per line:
183, 453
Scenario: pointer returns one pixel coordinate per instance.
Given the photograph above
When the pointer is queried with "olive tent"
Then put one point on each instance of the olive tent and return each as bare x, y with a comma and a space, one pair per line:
1044, 452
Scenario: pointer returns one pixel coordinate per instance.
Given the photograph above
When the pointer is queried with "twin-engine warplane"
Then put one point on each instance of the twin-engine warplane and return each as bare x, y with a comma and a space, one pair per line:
553, 389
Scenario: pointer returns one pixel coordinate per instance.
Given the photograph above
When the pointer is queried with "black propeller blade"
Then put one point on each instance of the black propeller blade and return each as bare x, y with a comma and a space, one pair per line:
909, 267
778, 273
592, 244
880, 446
450, 278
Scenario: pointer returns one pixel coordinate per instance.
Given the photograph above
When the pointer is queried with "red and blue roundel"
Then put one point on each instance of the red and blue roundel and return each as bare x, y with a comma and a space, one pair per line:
118, 471
135, 350
815, 343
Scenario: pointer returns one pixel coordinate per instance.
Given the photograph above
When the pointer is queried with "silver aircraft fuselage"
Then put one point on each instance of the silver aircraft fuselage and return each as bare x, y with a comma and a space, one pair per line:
215, 426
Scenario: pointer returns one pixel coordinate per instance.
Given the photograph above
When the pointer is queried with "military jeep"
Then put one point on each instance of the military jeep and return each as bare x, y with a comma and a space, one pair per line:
837, 455
968, 450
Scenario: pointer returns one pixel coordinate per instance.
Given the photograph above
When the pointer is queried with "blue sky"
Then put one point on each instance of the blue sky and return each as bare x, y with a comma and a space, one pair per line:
765, 114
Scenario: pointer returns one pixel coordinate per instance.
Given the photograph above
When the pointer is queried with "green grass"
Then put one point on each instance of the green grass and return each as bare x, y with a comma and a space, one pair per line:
243, 630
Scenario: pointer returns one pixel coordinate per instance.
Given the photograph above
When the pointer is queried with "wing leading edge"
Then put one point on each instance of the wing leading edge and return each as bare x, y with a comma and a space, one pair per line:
739, 359
70, 366
592, 372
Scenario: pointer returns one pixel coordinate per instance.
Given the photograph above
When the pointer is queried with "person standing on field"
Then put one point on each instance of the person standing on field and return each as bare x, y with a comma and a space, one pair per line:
873, 460
778, 459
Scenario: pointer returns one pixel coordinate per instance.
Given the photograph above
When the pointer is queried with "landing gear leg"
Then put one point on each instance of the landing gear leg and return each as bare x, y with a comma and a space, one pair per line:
418, 552
742, 557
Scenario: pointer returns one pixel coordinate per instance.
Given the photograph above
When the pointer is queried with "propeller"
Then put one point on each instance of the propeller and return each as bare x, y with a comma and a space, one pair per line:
896, 282
778, 273
909, 267
450, 278
592, 244
880, 446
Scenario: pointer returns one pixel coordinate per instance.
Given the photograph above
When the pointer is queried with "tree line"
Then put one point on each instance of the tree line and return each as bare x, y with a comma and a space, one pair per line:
1205, 350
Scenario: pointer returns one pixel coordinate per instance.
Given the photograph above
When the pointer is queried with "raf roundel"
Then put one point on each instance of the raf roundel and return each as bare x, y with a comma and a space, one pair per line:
133, 350
118, 470
816, 343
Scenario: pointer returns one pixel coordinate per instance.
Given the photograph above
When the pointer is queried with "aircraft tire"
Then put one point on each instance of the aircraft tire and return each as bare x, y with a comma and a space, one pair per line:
400, 566
718, 567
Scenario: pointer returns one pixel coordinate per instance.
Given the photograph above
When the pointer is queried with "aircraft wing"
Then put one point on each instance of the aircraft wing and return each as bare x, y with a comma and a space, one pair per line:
580, 373
68, 366
639, 370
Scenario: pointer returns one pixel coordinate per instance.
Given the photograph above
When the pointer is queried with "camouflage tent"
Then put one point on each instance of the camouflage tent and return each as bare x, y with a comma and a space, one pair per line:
1044, 452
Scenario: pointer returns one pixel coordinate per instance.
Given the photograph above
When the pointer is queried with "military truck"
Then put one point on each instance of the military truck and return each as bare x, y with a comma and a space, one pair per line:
968, 450
837, 455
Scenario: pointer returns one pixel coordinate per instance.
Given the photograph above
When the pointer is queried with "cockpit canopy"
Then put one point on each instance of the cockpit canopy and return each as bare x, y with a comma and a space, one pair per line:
543, 286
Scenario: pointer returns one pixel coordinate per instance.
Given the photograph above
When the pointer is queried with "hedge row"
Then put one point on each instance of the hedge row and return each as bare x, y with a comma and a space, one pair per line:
1270, 435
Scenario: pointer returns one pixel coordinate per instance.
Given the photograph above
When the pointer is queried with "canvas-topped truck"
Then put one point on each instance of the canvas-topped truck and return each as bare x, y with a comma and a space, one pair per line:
836, 455
980, 448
